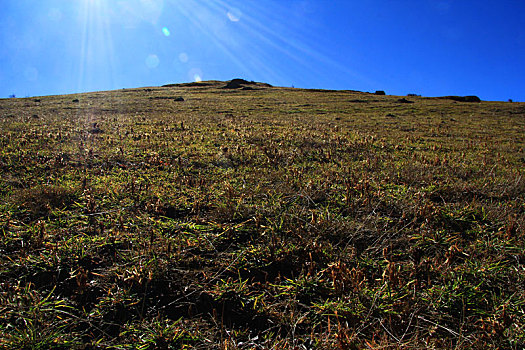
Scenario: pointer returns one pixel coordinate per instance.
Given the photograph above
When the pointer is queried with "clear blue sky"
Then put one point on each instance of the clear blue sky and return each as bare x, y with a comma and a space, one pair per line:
428, 47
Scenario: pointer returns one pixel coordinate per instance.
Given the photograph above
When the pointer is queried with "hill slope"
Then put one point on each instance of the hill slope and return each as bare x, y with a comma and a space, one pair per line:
255, 216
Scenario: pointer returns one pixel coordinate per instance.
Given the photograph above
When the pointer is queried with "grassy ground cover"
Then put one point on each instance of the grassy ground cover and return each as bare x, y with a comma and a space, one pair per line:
261, 217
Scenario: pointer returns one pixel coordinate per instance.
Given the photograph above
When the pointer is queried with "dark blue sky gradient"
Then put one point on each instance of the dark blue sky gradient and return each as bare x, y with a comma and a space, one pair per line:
428, 47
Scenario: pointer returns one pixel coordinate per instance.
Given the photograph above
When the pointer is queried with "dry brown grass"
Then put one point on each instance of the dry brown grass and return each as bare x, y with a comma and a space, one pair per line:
262, 218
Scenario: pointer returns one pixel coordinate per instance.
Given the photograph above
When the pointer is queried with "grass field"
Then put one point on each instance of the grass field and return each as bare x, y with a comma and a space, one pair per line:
261, 217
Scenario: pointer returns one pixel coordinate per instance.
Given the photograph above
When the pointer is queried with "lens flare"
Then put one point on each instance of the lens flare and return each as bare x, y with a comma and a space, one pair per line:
234, 15
183, 57
195, 74
221, 29
152, 61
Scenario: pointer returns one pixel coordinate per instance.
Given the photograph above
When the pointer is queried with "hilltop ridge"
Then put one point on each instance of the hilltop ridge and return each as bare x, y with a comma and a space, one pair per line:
242, 84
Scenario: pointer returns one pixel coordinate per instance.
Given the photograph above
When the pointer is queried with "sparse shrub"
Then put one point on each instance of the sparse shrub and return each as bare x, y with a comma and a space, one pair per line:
462, 98
236, 84
39, 201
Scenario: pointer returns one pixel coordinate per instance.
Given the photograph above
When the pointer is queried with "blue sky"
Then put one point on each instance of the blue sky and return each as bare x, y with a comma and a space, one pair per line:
428, 47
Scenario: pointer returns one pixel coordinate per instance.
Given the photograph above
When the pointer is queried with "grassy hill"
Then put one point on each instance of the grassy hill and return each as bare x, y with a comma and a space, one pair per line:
199, 216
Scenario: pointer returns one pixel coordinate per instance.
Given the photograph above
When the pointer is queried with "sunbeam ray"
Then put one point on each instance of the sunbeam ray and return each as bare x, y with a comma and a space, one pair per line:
252, 40
97, 56
109, 44
203, 19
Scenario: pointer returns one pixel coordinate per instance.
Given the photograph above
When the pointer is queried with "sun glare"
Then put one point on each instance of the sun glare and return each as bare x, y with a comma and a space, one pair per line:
97, 56
251, 37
